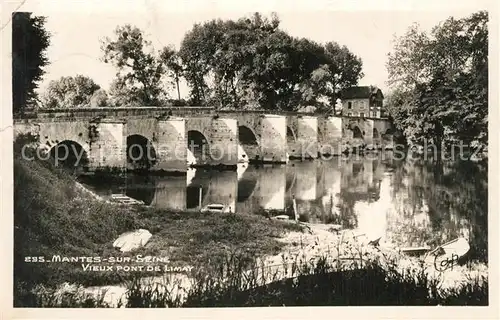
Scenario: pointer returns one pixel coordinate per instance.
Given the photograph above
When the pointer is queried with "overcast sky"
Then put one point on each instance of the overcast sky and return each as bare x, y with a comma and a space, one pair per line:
76, 30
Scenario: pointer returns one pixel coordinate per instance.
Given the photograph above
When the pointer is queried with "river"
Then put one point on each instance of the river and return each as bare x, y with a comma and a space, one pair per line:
411, 203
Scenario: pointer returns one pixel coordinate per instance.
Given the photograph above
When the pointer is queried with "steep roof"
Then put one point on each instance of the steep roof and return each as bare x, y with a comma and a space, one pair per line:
360, 92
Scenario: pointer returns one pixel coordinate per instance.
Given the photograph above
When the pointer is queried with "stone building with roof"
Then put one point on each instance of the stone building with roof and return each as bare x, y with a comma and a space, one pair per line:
362, 101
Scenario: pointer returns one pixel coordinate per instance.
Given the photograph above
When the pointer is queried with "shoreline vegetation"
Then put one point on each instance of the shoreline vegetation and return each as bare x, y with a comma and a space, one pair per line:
230, 255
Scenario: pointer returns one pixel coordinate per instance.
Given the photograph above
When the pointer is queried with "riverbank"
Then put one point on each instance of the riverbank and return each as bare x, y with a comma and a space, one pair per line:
321, 251
53, 216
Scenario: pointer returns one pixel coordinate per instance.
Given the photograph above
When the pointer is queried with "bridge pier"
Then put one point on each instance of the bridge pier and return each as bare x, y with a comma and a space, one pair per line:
172, 140
330, 136
270, 191
108, 145
223, 142
170, 193
273, 139
305, 144
368, 135
232, 137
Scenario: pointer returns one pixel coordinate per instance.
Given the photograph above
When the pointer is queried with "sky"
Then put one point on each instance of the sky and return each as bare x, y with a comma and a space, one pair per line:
368, 32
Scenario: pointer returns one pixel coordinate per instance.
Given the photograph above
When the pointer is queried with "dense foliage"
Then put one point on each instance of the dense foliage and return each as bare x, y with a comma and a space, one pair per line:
246, 63
252, 62
440, 82
141, 72
30, 41
74, 92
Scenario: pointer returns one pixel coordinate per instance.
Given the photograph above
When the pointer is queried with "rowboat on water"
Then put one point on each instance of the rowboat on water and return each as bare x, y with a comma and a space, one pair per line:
216, 208
281, 217
124, 199
448, 253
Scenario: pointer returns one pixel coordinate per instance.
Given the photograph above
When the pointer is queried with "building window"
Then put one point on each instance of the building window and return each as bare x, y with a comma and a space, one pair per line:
349, 105
362, 114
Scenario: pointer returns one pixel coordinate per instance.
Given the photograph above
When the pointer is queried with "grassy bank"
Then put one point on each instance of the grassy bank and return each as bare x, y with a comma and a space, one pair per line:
52, 216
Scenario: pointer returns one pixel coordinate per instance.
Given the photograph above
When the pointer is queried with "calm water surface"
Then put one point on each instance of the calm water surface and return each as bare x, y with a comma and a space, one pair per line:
410, 203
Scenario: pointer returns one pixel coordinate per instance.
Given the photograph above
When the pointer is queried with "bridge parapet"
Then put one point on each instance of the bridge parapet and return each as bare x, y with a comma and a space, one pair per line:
124, 112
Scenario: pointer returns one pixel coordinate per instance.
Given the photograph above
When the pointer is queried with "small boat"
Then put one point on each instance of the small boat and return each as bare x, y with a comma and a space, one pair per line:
215, 208
124, 199
448, 253
414, 251
281, 217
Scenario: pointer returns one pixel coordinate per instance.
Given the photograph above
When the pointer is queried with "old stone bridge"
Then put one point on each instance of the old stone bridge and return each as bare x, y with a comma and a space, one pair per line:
173, 138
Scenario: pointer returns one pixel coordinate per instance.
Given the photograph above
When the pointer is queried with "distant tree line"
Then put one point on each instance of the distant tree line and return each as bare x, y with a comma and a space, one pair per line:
440, 82
247, 63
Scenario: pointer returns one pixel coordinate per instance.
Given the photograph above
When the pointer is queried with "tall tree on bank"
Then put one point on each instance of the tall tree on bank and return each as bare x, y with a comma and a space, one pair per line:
174, 67
73, 92
441, 82
30, 41
140, 71
345, 70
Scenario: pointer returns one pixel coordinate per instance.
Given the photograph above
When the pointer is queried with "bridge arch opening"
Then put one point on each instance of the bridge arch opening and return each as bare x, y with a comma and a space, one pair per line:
69, 154
290, 135
246, 136
197, 144
140, 152
248, 142
356, 133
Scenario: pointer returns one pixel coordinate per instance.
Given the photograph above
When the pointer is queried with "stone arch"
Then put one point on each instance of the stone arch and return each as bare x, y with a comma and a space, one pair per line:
290, 135
141, 153
248, 142
69, 154
357, 133
246, 136
197, 145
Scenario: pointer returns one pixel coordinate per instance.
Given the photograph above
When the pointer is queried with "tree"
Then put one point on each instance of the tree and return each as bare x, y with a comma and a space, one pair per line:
174, 67
140, 73
251, 62
345, 70
71, 92
441, 81
30, 41
99, 99
120, 94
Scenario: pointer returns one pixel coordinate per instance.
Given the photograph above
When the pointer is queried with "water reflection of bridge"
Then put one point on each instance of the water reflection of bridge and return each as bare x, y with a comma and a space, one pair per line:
324, 190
